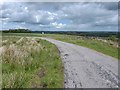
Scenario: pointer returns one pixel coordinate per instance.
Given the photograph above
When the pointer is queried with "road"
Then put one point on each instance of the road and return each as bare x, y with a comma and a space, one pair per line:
86, 68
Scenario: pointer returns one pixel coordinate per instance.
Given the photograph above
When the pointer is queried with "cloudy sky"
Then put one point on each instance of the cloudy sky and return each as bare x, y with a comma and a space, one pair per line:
53, 16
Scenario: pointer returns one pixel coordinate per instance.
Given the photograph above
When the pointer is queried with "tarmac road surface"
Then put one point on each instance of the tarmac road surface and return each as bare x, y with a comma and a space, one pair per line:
86, 68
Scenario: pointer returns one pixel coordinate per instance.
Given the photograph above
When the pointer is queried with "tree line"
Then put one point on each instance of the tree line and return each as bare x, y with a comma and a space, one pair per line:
17, 31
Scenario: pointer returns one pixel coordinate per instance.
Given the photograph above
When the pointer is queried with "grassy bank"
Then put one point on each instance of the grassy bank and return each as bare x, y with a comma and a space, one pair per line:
30, 63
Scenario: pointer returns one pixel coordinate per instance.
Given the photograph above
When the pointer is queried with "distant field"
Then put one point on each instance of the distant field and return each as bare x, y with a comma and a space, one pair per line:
94, 44
30, 63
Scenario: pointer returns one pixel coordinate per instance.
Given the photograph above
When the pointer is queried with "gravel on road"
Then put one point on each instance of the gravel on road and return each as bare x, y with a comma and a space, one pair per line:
86, 68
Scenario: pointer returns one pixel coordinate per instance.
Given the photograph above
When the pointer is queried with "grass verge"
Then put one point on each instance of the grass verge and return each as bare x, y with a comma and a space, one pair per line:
30, 63
94, 44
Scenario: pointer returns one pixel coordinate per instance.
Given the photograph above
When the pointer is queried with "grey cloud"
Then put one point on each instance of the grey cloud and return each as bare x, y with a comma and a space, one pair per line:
80, 15
52, 6
35, 17
89, 13
110, 5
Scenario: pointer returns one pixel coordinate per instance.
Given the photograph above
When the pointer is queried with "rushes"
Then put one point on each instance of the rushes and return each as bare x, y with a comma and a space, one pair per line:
17, 53
30, 62
2, 50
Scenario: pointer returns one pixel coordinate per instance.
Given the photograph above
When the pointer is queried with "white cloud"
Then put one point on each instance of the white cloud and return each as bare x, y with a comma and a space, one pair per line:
70, 16
58, 25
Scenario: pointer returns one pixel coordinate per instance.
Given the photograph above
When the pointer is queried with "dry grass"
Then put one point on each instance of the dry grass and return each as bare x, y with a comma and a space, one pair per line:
24, 60
19, 51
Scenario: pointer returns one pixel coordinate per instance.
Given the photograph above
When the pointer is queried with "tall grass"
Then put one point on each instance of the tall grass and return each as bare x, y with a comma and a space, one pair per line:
30, 63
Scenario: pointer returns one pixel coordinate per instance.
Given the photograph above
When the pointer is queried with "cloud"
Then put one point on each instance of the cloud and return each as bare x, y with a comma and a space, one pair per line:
60, 16
87, 13
58, 25
111, 6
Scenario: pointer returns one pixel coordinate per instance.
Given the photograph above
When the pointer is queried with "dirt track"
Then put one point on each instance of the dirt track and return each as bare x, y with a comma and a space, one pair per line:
86, 68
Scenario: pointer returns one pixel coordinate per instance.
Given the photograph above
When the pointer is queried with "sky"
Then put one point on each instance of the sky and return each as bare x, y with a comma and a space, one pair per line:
62, 16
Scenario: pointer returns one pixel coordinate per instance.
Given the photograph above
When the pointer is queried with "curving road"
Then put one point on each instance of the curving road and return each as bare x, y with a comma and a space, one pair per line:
86, 68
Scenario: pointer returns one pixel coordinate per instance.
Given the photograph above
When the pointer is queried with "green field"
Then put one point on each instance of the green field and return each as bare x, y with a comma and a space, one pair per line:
94, 44
105, 48
29, 62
